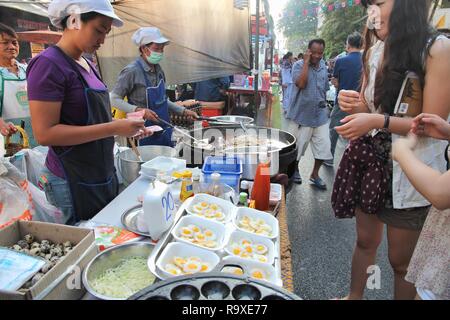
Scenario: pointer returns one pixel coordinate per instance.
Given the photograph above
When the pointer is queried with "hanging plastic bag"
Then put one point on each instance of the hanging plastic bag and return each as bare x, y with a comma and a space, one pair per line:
15, 197
43, 210
30, 162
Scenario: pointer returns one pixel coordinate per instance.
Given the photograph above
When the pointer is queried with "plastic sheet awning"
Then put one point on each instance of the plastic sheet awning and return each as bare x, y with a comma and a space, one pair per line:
209, 38
36, 7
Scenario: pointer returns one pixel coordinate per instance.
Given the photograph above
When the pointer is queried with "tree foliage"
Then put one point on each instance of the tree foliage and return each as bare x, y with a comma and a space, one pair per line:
297, 28
338, 24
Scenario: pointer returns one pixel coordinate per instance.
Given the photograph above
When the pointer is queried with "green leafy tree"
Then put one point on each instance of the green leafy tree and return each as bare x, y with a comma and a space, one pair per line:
296, 27
338, 24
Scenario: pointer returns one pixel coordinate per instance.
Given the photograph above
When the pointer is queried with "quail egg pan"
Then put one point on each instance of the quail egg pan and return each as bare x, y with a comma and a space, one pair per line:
230, 229
213, 286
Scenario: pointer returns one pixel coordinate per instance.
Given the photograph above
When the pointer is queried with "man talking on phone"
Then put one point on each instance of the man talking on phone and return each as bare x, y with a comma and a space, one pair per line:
308, 115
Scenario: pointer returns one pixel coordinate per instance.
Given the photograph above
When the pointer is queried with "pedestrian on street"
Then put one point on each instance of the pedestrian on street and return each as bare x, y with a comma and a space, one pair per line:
346, 76
308, 115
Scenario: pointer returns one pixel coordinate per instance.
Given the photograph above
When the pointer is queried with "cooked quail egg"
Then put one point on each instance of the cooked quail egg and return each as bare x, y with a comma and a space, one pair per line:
260, 258
172, 269
186, 232
192, 267
210, 235
245, 242
200, 237
233, 270
195, 259
179, 262
237, 250
218, 215
198, 209
194, 228
205, 267
210, 244
258, 274
261, 249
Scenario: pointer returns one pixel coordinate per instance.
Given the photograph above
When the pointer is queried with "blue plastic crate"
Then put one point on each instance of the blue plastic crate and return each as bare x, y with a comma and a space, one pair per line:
230, 169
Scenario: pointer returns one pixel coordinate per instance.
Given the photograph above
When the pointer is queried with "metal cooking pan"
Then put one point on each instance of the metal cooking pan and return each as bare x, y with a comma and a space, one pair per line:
278, 142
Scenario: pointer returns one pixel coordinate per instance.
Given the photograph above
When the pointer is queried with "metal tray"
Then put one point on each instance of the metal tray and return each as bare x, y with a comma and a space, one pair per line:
168, 238
129, 217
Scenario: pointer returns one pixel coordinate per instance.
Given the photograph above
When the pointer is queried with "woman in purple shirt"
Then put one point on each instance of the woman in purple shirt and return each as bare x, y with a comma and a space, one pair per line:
71, 112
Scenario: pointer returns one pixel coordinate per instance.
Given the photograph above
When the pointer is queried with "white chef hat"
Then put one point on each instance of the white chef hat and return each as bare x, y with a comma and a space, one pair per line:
60, 9
148, 35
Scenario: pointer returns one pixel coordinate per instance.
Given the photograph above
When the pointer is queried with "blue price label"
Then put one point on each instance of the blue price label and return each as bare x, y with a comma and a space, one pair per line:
168, 204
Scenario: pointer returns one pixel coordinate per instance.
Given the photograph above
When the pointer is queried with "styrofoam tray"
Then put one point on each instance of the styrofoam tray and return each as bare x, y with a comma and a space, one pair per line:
237, 236
178, 249
221, 235
250, 265
256, 214
227, 207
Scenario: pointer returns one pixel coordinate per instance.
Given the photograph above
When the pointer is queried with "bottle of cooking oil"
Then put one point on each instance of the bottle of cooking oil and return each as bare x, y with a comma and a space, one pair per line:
187, 190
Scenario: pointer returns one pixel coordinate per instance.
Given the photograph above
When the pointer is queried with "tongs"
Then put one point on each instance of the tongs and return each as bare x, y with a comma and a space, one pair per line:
179, 130
241, 123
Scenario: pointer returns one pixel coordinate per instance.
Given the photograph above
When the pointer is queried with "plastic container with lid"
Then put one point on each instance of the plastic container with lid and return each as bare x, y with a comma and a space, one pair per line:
159, 209
230, 169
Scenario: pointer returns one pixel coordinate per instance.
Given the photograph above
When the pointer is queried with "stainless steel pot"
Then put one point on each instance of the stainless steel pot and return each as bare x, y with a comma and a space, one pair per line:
280, 142
129, 164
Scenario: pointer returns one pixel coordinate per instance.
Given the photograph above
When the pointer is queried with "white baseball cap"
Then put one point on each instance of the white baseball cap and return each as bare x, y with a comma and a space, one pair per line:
148, 35
60, 9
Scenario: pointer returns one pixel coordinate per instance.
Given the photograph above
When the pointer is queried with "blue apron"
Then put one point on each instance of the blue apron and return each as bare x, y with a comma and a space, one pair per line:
157, 102
89, 167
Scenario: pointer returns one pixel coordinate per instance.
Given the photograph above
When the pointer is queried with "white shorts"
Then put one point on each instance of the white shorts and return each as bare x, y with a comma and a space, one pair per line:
319, 138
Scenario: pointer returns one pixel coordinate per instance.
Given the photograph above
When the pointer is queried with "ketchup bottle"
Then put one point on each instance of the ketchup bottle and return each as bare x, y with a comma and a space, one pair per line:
261, 186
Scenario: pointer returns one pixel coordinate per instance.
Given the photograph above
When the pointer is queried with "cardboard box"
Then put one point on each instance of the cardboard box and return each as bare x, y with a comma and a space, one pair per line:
54, 285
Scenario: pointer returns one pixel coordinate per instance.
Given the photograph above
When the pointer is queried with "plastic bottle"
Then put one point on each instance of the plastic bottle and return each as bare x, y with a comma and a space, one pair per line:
246, 82
243, 199
196, 186
186, 186
261, 186
244, 187
215, 188
159, 209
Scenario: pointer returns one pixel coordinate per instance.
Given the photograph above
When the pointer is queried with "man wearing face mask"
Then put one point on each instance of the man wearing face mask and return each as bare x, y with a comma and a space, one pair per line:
143, 83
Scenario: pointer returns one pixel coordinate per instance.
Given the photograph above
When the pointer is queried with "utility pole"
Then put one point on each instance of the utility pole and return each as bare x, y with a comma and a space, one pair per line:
256, 81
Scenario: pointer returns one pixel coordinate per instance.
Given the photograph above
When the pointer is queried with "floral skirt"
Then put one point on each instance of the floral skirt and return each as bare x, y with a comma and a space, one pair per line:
430, 265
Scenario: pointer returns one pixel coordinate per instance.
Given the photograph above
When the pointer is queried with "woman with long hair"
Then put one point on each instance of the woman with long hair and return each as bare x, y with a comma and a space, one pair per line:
369, 185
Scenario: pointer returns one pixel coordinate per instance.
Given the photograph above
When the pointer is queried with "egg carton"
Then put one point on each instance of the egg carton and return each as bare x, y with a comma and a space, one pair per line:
223, 255
213, 286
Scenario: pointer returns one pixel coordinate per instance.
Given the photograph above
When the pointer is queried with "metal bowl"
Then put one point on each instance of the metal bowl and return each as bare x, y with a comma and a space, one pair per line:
111, 258
129, 164
236, 119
